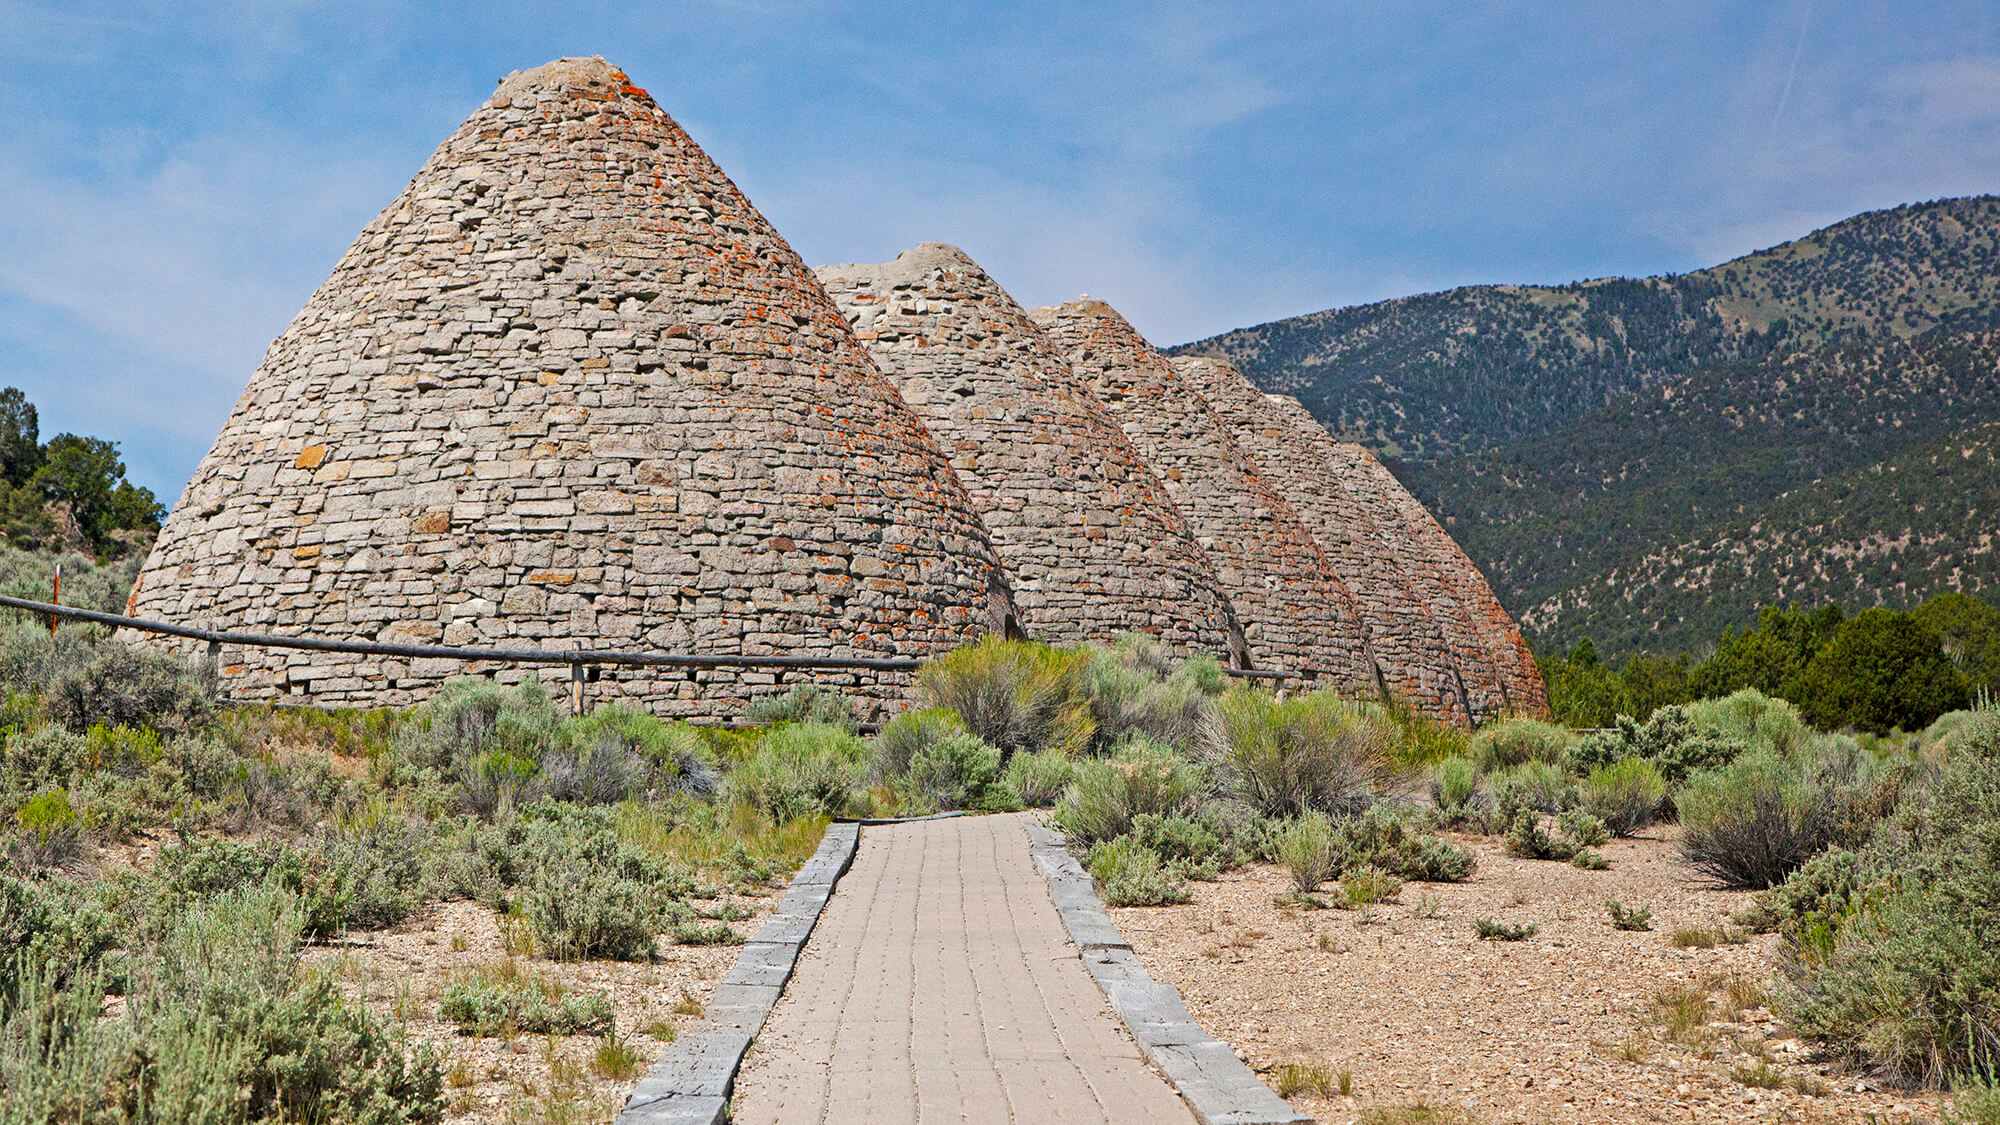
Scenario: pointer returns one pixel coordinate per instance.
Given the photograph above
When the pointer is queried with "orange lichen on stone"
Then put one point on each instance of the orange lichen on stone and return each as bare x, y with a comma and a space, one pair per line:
310, 457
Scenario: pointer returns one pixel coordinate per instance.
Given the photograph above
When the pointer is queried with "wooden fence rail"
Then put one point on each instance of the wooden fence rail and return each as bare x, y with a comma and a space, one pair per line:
578, 659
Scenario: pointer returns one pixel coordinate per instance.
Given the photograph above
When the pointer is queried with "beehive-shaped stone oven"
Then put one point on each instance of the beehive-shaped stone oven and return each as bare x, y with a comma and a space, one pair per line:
1092, 545
570, 390
1440, 635
1294, 610
1513, 670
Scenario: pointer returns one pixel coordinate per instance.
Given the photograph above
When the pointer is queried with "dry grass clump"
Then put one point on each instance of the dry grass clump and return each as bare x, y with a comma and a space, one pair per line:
1417, 1113
1301, 1077
616, 1059
1683, 1012
1705, 937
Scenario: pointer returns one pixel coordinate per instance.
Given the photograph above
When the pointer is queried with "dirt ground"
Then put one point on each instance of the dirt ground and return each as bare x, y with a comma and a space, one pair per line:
400, 974
1563, 1027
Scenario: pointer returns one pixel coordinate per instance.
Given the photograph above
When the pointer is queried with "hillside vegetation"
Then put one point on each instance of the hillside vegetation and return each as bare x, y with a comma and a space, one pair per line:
1622, 456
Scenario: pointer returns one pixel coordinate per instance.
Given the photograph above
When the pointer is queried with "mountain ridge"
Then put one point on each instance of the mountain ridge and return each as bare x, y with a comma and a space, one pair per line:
1565, 433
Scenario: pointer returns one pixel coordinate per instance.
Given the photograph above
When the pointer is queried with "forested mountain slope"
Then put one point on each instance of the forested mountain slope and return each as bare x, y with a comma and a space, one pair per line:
1892, 533
1581, 439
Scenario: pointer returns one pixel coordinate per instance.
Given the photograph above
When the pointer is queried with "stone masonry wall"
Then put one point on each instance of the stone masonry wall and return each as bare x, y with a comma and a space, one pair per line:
571, 390
1403, 601
1293, 608
1512, 663
1091, 543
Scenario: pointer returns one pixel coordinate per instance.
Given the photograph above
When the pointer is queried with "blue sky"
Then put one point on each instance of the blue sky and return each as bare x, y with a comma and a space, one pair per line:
176, 178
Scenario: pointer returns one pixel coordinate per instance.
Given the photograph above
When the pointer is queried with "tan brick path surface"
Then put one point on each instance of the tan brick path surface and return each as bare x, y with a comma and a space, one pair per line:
940, 986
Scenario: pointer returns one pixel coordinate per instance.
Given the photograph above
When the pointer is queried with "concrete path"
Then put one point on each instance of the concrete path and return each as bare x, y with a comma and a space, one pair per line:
940, 986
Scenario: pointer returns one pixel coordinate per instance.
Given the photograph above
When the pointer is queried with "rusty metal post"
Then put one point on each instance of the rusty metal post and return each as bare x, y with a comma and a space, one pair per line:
55, 598
576, 690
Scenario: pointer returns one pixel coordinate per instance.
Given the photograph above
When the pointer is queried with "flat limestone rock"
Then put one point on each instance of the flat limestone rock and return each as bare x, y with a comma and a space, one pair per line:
570, 390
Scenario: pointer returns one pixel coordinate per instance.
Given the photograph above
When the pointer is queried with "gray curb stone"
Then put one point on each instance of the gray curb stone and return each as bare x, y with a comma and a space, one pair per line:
691, 1081
1207, 1074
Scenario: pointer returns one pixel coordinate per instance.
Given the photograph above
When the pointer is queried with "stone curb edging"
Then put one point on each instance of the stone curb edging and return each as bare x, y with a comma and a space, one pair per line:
691, 1081
1207, 1074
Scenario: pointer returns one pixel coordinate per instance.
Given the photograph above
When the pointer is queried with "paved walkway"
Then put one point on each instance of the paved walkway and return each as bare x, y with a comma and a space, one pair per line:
940, 986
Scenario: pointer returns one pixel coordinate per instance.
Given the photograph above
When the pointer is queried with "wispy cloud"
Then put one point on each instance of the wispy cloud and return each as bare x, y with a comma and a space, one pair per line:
171, 279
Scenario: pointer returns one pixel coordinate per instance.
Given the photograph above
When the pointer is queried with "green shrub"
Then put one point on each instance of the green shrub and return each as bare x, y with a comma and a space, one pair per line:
801, 770
1107, 793
1751, 718
1668, 738
691, 932
1310, 752
1815, 896
804, 703
49, 835
122, 686
1940, 741
578, 912
506, 1001
1037, 780
471, 716
55, 925
1016, 695
1527, 839
619, 752
1489, 930
31, 656
1889, 955
226, 1026
1305, 846
1454, 788
1583, 829
1514, 742
1130, 874
1754, 822
1388, 837
1367, 885
952, 772
364, 875
901, 737
497, 781
1977, 1099
1535, 786
1634, 918
1589, 860
1135, 689
1195, 846
1624, 795
601, 773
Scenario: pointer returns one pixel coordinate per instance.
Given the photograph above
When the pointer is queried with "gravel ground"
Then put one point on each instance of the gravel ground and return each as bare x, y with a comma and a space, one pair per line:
1562, 1027
400, 973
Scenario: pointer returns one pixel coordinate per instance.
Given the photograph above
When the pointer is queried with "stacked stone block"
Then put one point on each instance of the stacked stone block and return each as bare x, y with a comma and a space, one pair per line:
1415, 658
1511, 668
1091, 543
1295, 612
1440, 635
570, 390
